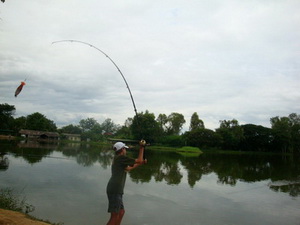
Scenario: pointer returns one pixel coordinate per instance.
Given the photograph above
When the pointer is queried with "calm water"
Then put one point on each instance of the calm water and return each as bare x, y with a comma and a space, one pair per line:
67, 184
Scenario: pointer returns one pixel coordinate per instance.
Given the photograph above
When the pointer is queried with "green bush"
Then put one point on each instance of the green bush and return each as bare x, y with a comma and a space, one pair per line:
173, 141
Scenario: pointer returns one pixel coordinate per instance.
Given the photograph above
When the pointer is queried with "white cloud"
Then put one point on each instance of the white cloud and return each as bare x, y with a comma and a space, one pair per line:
221, 59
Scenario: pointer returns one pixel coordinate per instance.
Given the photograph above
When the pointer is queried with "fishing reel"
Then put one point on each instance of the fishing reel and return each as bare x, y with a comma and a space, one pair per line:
143, 142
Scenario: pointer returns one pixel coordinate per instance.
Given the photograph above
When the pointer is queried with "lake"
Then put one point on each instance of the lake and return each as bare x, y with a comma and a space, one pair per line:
67, 184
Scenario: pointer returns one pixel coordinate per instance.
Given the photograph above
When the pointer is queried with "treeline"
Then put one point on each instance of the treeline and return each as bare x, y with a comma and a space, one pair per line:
283, 136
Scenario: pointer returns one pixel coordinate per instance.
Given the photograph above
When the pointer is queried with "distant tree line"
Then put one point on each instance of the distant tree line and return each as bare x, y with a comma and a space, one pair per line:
283, 136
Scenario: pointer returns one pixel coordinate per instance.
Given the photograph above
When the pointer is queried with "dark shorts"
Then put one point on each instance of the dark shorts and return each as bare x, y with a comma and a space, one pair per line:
115, 202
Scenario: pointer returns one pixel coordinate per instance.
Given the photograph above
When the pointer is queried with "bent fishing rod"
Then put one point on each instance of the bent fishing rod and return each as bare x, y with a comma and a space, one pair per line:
85, 43
107, 56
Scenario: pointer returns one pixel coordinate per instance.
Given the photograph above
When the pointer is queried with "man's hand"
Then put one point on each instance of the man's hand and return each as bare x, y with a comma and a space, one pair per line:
142, 143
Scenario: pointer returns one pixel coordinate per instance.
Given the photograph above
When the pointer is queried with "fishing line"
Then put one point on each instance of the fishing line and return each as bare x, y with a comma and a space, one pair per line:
85, 43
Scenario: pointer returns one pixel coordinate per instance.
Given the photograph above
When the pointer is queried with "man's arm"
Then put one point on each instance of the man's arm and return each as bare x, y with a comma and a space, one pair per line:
128, 168
139, 160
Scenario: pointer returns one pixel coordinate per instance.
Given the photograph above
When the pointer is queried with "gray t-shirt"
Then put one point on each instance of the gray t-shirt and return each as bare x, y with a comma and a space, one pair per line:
118, 174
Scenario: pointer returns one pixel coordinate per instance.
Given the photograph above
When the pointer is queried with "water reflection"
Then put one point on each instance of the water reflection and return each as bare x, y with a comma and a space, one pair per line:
291, 187
4, 162
283, 172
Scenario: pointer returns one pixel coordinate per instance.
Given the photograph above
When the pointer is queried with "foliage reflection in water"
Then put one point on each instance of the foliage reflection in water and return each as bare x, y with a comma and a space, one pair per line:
282, 171
280, 174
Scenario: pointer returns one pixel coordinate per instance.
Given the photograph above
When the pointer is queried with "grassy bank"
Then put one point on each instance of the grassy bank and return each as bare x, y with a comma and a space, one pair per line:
10, 200
237, 152
186, 151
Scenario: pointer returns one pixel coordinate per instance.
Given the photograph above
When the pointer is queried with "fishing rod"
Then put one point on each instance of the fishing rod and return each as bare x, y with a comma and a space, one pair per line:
107, 56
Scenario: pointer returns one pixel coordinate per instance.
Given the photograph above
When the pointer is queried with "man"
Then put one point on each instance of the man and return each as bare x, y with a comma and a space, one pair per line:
115, 187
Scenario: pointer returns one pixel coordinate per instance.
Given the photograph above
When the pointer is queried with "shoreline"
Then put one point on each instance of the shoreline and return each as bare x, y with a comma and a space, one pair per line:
10, 217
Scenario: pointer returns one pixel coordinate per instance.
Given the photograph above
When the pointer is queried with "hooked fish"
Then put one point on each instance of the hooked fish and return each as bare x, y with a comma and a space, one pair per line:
19, 89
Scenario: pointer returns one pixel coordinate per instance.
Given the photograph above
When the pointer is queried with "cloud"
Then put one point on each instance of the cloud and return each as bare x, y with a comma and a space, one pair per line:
223, 60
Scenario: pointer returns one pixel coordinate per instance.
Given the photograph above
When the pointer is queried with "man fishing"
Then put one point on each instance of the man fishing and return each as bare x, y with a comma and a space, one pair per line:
115, 187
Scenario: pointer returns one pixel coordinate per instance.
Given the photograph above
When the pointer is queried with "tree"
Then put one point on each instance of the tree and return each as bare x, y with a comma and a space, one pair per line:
287, 132
6, 116
228, 123
91, 129
108, 126
125, 131
231, 133
71, 129
145, 126
196, 123
173, 140
257, 138
20, 123
87, 124
202, 137
38, 121
162, 120
282, 132
175, 123
294, 119
128, 122
295, 132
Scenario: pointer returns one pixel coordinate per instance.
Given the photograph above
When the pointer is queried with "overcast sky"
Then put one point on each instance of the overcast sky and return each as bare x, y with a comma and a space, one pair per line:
222, 59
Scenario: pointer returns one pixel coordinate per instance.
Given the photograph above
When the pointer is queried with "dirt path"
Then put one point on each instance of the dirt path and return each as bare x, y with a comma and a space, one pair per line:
15, 218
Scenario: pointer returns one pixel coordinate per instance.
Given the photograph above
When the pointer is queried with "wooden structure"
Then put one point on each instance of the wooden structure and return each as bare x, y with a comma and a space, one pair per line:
35, 134
71, 137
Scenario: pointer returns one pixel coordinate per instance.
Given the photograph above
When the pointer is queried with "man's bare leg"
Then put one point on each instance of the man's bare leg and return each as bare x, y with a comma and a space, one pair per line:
113, 219
116, 218
120, 216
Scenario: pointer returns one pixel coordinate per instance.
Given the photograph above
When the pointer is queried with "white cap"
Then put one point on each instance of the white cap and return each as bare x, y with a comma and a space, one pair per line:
119, 145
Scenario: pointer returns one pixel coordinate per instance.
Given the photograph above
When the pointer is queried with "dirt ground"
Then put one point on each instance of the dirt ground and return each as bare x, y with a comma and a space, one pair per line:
15, 218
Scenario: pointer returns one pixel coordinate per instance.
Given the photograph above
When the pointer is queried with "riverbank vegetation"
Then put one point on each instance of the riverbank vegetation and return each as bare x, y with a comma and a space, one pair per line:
165, 130
11, 200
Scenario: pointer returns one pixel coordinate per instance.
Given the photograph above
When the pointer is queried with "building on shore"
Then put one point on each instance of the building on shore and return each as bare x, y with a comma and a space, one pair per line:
36, 134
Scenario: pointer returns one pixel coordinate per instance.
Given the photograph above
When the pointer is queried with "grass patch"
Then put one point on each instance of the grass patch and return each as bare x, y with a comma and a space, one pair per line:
237, 152
186, 151
190, 149
10, 200
161, 148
